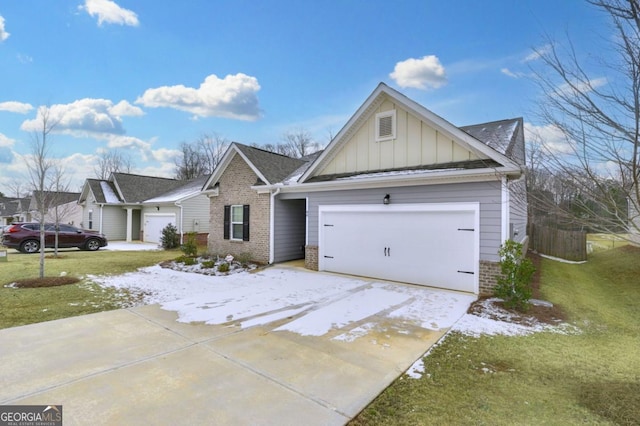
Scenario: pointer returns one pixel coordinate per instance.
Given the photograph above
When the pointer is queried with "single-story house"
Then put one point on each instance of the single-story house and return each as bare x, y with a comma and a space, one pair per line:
14, 209
399, 194
185, 207
60, 206
134, 207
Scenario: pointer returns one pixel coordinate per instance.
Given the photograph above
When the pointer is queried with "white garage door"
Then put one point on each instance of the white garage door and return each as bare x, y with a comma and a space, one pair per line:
154, 224
427, 244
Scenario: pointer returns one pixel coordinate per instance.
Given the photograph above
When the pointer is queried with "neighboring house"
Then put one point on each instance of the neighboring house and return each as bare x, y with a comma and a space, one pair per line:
60, 206
399, 194
186, 207
14, 210
134, 207
114, 206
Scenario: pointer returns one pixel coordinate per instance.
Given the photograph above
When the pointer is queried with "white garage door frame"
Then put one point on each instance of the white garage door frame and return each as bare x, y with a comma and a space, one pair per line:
147, 216
471, 207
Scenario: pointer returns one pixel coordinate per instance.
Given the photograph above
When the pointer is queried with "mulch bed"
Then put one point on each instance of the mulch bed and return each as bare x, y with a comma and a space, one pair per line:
544, 314
44, 282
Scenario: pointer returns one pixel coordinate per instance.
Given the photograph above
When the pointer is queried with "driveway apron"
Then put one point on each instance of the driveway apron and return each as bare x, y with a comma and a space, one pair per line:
141, 366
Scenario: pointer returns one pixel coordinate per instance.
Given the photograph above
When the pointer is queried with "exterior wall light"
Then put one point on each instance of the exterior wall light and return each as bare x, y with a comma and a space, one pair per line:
386, 200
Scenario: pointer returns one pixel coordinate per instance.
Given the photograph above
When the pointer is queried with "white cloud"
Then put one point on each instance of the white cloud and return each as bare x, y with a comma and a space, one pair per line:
509, 73
108, 11
424, 73
3, 33
231, 97
85, 117
548, 137
13, 106
580, 86
6, 141
166, 155
537, 53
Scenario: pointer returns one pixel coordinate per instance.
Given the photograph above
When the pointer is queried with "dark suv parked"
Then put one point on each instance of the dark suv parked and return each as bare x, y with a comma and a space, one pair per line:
26, 237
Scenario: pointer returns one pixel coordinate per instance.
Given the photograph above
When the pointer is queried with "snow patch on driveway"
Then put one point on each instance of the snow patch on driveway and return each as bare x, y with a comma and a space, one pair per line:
317, 302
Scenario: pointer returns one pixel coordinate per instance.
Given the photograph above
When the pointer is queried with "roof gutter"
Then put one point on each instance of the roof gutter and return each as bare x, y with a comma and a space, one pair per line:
432, 178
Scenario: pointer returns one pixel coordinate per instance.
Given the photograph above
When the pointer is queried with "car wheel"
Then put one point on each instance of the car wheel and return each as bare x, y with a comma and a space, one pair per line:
92, 245
30, 246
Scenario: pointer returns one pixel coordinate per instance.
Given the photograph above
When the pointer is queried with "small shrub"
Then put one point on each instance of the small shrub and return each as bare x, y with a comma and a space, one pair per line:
223, 267
190, 248
244, 258
514, 283
170, 238
186, 260
208, 264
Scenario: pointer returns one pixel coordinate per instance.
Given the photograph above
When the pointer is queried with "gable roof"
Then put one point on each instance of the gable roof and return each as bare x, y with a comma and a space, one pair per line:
188, 190
384, 92
52, 198
504, 136
10, 206
137, 188
270, 167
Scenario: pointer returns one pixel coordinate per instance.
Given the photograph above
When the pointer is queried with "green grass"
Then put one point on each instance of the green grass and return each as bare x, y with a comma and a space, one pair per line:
546, 378
31, 305
600, 242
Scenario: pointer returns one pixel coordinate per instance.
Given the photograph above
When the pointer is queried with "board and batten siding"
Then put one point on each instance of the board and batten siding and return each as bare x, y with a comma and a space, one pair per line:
488, 194
290, 228
416, 143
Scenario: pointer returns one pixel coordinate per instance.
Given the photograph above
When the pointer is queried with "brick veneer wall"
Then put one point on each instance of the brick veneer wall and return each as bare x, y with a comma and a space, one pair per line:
311, 257
488, 272
235, 188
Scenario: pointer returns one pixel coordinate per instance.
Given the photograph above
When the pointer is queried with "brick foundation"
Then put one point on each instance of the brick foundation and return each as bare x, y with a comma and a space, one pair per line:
487, 279
311, 257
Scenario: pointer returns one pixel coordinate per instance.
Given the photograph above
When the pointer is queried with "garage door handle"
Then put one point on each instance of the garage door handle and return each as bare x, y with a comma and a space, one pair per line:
467, 272
387, 251
466, 229
328, 257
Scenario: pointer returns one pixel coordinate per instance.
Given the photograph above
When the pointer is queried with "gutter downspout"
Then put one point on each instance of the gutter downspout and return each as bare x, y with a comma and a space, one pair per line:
101, 207
272, 216
177, 203
506, 204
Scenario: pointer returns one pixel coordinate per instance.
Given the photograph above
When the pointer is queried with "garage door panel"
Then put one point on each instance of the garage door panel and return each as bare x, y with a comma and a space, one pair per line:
435, 248
154, 224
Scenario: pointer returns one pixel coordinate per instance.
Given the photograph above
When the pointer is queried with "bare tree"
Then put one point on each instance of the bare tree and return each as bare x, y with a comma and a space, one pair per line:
599, 119
112, 161
200, 157
39, 165
299, 143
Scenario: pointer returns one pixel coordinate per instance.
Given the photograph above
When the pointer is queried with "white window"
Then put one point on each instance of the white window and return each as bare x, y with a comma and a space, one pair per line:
385, 126
236, 222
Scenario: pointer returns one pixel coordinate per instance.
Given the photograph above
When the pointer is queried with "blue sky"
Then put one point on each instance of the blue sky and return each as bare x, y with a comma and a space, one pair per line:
143, 76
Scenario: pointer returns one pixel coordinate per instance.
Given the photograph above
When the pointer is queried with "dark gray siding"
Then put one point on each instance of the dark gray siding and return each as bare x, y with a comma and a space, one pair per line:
488, 194
290, 229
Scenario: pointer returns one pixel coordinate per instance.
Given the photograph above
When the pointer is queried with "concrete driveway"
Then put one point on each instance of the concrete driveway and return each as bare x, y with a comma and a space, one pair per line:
141, 366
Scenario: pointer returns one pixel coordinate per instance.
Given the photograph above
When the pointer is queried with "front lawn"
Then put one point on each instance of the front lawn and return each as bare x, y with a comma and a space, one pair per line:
20, 306
590, 377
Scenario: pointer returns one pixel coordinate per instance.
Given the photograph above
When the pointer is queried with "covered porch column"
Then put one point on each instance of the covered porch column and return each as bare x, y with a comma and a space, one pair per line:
129, 223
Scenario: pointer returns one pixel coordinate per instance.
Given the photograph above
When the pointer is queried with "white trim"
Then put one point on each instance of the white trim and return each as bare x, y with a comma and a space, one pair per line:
419, 111
417, 207
505, 201
231, 222
272, 225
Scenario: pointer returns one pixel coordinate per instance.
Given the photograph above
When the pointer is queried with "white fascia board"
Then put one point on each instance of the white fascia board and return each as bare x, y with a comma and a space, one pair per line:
457, 176
224, 163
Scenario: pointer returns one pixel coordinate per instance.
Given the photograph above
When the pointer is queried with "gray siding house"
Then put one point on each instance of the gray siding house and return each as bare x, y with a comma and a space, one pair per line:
399, 194
134, 207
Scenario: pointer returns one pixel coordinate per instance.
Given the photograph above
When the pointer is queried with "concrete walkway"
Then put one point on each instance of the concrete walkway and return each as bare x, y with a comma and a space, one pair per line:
140, 366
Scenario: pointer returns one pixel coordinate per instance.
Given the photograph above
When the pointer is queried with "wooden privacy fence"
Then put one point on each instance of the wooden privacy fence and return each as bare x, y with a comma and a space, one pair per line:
569, 245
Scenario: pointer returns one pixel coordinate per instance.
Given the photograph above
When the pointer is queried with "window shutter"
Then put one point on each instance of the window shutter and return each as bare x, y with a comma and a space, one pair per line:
227, 222
245, 222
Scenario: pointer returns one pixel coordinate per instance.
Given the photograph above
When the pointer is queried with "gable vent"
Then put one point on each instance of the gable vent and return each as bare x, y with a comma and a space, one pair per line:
385, 126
